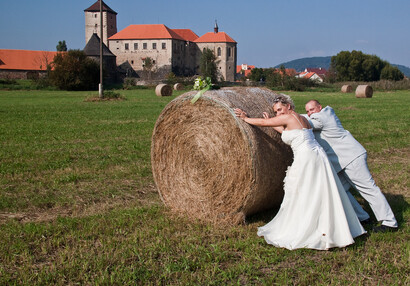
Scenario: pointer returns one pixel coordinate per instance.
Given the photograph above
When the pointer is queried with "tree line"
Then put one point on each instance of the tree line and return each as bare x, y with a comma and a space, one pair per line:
357, 66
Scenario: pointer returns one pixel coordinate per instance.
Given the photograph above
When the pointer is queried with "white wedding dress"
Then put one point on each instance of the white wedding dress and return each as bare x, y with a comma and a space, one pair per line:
316, 212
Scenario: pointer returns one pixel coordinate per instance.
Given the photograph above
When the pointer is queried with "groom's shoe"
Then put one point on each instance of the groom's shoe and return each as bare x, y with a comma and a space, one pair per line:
366, 221
384, 228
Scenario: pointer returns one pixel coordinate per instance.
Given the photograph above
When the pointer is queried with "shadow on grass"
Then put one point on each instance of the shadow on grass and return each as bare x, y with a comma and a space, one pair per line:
399, 206
264, 217
397, 202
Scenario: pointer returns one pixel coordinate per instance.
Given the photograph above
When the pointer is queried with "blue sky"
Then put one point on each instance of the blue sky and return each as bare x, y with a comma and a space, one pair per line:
268, 32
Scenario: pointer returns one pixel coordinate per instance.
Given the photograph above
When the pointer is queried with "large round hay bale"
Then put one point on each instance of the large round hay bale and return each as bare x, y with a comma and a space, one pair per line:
347, 88
210, 165
163, 90
178, 86
364, 91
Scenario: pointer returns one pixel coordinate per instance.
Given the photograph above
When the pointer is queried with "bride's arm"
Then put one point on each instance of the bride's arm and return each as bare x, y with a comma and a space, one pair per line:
277, 128
280, 122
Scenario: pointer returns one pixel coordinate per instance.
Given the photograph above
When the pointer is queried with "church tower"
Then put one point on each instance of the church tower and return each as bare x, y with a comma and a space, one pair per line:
92, 22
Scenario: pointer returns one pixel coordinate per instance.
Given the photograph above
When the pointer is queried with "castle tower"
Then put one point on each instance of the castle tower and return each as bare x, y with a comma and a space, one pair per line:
224, 48
92, 21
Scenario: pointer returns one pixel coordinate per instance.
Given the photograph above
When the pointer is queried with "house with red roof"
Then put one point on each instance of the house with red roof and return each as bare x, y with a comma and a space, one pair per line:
171, 50
321, 72
310, 75
244, 70
24, 64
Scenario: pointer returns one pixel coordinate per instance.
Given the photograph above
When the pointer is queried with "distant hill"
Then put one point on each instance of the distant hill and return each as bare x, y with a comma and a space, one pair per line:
300, 64
324, 62
403, 69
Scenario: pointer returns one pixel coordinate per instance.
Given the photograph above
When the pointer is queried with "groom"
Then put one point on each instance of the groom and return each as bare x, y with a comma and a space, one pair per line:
349, 160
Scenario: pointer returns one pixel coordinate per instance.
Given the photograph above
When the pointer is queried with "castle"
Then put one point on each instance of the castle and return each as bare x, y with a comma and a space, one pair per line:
171, 50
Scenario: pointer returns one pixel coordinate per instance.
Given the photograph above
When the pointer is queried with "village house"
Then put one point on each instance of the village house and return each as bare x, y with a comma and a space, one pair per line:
310, 75
171, 50
244, 70
321, 72
24, 64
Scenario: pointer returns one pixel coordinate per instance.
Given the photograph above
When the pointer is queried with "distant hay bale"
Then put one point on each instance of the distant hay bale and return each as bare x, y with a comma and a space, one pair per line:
347, 88
178, 86
210, 165
363, 91
163, 90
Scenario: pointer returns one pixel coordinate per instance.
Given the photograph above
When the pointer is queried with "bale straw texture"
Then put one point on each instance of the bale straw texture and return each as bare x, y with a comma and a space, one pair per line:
347, 88
363, 91
178, 86
163, 90
210, 165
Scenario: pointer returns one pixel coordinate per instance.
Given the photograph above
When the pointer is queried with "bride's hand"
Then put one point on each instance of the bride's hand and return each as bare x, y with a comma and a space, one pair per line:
265, 115
240, 113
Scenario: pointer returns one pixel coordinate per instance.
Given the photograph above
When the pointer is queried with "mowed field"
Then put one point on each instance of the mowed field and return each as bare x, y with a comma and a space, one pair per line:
78, 204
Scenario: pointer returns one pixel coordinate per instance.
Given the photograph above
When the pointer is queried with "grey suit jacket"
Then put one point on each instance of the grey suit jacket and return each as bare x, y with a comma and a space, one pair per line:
340, 146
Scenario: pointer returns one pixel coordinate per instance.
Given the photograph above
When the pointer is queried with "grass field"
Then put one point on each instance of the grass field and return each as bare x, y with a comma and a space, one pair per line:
78, 204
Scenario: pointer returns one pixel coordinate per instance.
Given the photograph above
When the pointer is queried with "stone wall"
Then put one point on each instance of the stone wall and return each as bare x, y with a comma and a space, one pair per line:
19, 74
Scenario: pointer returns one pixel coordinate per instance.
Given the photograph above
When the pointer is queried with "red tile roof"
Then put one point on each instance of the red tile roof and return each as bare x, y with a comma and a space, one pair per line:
25, 60
96, 8
318, 71
150, 31
211, 37
239, 68
186, 34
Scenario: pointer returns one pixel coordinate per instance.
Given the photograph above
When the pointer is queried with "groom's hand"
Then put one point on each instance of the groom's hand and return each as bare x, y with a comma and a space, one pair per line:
265, 115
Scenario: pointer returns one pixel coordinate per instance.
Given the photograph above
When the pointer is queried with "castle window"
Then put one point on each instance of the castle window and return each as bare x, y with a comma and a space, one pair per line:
164, 46
229, 52
219, 52
135, 46
154, 46
132, 62
144, 46
95, 15
126, 46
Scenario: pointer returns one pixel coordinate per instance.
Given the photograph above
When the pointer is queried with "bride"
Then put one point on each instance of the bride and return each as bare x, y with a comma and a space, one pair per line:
315, 212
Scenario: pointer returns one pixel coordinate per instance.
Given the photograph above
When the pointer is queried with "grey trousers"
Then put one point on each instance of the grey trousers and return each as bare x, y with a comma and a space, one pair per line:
357, 175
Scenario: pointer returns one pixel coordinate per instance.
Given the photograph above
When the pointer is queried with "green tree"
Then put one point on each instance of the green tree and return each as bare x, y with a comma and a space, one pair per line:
391, 73
208, 65
257, 74
62, 46
149, 66
372, 67
340, 65
75, 71
357, 66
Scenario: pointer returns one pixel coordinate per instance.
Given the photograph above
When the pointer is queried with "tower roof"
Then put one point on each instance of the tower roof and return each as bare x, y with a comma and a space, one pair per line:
96, 8
153, 31
92, 48
211, 37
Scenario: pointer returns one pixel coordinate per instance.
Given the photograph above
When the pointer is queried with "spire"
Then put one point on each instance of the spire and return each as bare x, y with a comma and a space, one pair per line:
216, 27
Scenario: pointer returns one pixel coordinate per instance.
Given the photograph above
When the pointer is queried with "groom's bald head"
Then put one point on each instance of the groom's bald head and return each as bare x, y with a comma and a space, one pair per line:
313, 106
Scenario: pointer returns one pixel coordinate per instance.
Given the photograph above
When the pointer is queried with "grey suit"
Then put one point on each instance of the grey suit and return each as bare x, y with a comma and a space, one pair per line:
349, 159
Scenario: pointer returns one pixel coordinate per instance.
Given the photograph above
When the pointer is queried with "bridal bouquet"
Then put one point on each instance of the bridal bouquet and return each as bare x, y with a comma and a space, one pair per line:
202, 85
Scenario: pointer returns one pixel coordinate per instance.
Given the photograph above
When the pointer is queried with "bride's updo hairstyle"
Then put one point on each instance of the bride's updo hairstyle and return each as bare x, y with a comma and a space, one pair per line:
285, 100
